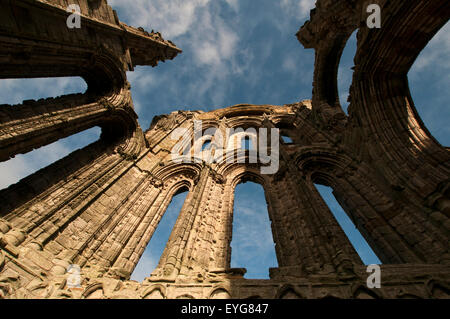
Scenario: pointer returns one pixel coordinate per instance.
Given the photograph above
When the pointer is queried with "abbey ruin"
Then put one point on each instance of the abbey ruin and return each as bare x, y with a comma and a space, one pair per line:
99, 206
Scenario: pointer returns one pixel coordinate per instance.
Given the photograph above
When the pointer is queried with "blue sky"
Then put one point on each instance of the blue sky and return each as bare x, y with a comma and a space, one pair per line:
252, 243
234, 51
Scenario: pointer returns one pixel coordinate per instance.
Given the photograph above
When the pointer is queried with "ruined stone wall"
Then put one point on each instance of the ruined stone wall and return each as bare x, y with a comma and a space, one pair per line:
99, 207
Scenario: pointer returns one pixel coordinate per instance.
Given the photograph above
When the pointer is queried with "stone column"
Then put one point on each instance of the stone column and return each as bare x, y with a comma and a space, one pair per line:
313, 240
171, 260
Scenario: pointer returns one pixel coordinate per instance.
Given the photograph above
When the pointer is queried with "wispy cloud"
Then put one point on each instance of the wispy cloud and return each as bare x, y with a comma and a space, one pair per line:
233, 3
301, 8
228, 48
436, 53
172, 18
429, 80
252, 244
210, 44
23, 165
14, 91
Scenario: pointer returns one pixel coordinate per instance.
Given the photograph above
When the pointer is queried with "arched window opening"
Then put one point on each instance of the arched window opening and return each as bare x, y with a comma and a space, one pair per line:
361, 246
206, 145
252, 245
345, 72
247, 143
429, 80
15, 91
22, 165
286, 139
152, 253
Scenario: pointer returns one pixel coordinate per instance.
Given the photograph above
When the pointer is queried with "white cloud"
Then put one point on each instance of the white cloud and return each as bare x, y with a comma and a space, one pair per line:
300, 8
12, 172
14, 91
429, 80
141, 79
171, 18
22, 165
209, 42
211, 38
435, 53
252, 243
234, 4
216, 44
289, 64
25, 164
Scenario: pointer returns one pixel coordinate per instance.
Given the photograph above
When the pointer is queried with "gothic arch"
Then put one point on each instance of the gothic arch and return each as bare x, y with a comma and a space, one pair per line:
408, 139
289, 292
94, 291
438, 289
244, 122
189, 172
239, 110
362, 292
154, 292
368, 210
185, 296
240, 173
220, 292
140, 238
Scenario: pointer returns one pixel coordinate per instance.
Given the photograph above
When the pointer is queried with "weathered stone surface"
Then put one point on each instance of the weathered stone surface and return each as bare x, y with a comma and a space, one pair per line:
99, 207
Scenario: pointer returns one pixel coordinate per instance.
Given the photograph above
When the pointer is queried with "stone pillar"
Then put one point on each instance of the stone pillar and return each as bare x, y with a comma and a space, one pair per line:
313, 240
171, 260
